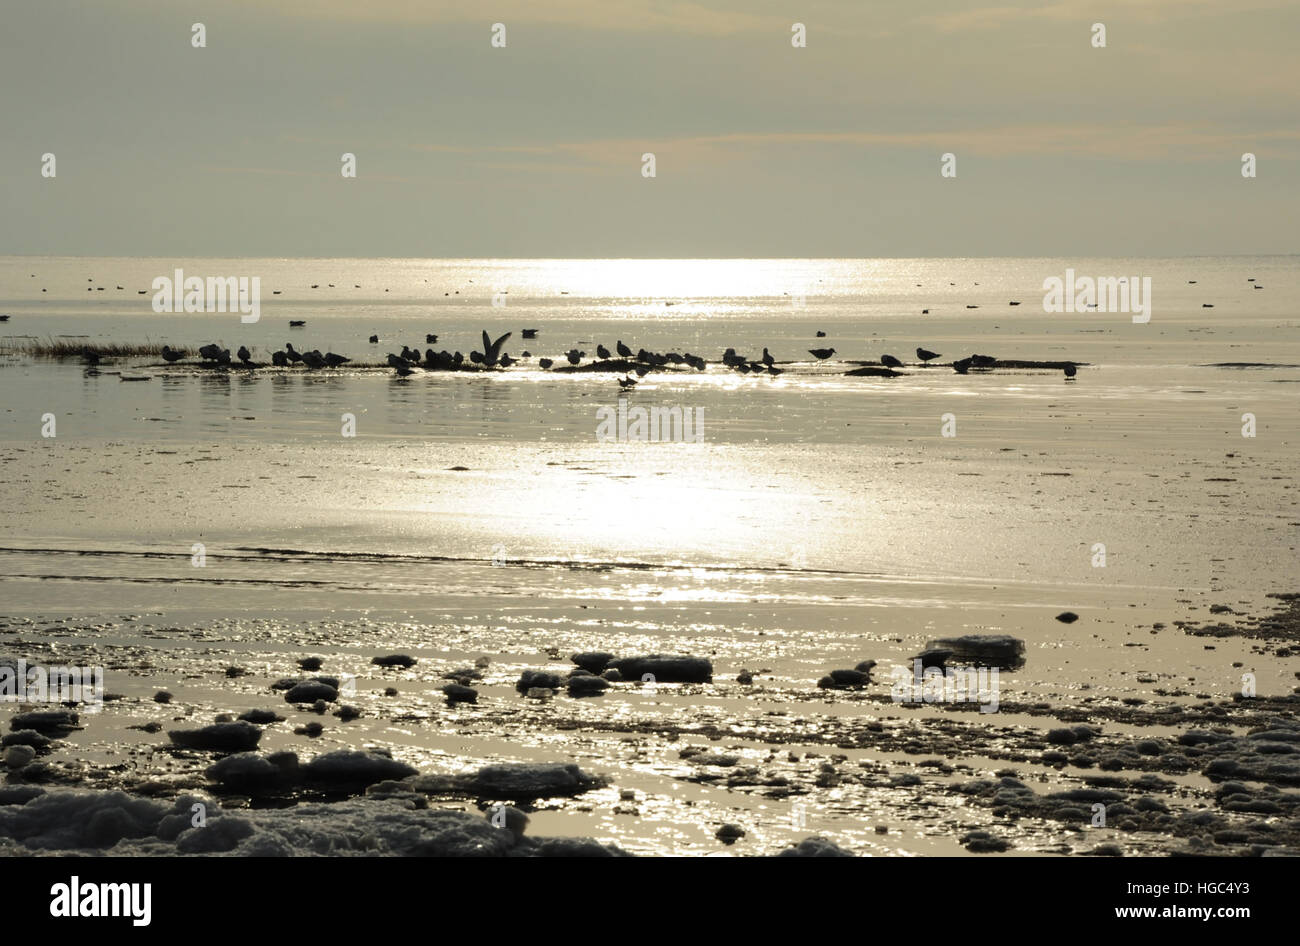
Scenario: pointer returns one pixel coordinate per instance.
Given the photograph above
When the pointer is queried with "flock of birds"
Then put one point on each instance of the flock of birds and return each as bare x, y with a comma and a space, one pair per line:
492, 356
283, 359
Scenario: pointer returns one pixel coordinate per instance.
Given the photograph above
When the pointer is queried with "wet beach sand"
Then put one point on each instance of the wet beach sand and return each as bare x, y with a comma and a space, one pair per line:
476, 526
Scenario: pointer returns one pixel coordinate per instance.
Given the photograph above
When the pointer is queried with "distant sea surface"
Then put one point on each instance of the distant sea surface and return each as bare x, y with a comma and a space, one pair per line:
810, 466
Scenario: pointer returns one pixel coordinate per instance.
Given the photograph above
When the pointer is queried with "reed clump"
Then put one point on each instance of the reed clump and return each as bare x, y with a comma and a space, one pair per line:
64, 348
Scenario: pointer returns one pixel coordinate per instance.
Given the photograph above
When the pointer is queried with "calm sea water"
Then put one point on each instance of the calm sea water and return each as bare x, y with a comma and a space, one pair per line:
809, 467
866, 307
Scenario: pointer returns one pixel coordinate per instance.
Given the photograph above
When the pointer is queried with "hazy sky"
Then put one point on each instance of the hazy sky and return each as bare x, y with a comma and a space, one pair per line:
762, 149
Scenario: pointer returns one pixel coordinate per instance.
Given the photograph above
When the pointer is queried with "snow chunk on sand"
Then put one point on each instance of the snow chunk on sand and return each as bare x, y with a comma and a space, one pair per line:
74, 822
80, 820
513, 781
665, 668
347, 769
309, 691
394, 660
989, 650
219, 737
255, 774
816, 847
50, 723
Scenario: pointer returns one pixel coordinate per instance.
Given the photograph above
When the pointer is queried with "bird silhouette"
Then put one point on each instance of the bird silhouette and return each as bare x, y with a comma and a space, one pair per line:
491, 349
574, 356
623, 350
889, 361
927, 355
170, 355
821, 354
244, 355
602, 352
